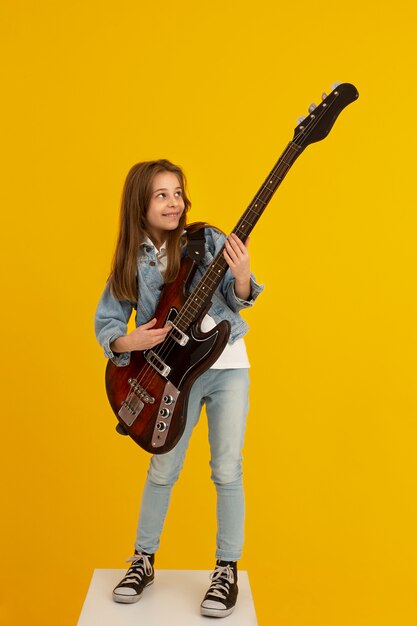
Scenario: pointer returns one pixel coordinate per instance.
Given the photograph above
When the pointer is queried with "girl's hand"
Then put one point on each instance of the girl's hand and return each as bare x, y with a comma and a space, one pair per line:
141, 338
237, 258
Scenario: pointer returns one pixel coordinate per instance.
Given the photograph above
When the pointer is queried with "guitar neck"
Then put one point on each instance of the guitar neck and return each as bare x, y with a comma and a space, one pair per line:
201, 296
259, 203
310, 129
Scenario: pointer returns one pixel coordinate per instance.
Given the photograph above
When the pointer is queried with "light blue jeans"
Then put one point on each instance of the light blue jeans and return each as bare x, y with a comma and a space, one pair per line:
225, 393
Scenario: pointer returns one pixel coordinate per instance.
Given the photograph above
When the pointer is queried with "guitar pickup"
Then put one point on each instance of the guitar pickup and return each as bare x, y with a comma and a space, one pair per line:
178, 335
157, 363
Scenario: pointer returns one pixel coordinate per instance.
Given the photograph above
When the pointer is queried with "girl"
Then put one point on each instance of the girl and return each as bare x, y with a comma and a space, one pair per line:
148, 253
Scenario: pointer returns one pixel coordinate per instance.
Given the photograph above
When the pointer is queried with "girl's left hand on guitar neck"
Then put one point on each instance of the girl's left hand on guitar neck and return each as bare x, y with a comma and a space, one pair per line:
237, 258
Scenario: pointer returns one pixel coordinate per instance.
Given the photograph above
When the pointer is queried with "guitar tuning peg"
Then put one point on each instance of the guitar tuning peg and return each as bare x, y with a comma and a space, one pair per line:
301, 119
335, 85
324, 95
312, 107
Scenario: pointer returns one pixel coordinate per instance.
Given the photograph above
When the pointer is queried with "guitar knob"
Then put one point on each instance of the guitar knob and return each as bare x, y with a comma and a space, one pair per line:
164, 412
324, 95
312, 107
301, 119
335, 85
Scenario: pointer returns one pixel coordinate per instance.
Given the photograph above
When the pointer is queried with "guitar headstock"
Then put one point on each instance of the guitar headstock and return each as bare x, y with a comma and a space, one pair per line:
317, 125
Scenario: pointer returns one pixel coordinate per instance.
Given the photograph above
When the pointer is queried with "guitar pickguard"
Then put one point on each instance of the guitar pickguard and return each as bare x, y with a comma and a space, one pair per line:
184, 355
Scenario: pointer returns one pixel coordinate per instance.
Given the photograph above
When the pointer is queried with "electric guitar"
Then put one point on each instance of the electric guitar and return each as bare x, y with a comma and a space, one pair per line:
150, 395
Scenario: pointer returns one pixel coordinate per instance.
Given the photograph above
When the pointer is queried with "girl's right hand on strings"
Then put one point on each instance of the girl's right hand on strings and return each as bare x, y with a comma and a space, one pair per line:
146, 336
141, 338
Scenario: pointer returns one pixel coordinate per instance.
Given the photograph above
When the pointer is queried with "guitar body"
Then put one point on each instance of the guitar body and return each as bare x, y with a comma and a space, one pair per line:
150, 395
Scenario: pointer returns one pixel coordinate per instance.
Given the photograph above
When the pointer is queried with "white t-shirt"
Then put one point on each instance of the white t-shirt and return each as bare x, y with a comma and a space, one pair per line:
234, 356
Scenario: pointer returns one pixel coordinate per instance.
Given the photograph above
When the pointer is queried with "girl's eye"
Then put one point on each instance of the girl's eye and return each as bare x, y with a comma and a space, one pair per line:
162, 194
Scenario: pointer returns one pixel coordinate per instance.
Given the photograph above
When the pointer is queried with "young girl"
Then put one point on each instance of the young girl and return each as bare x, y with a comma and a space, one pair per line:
150, 246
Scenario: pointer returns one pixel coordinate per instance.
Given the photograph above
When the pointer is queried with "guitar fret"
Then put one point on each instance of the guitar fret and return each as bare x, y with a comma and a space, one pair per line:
261, 199
211, 280
185, 314
179, 324
280, 173
244, 225
193, 307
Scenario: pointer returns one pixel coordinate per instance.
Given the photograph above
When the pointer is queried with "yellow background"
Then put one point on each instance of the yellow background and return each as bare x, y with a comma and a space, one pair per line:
89, 88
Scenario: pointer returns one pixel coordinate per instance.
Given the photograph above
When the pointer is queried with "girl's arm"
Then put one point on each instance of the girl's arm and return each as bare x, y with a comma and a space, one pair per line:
110, 323
111, 320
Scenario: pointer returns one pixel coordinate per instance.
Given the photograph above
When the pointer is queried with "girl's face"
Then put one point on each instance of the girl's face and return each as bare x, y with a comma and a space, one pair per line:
165, 207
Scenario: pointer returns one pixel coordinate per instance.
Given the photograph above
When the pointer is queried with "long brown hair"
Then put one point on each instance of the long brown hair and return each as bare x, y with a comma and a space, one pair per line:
136, 197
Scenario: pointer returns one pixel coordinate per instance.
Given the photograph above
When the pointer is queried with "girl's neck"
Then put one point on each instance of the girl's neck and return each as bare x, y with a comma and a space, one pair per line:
157, 236
158, 242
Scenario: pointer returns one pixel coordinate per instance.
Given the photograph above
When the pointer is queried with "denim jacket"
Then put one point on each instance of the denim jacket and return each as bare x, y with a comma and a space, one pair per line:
112, 315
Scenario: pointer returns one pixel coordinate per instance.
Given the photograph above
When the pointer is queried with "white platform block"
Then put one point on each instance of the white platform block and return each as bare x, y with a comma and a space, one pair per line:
173, 600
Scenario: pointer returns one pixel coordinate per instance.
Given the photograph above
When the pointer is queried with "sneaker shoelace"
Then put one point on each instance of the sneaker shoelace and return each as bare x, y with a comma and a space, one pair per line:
221, 577
140, 565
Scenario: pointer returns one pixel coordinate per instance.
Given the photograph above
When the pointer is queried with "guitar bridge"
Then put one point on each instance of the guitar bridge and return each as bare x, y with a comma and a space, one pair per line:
130, 409
140, 391
134, 403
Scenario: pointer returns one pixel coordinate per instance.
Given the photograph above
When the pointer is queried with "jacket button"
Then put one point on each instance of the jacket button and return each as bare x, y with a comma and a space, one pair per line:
152, 263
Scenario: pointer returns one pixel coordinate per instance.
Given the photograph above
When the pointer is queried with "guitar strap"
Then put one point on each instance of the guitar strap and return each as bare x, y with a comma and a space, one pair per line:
195, 241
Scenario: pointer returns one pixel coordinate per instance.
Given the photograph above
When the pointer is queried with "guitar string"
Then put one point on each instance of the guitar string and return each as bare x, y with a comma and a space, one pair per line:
165, 348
